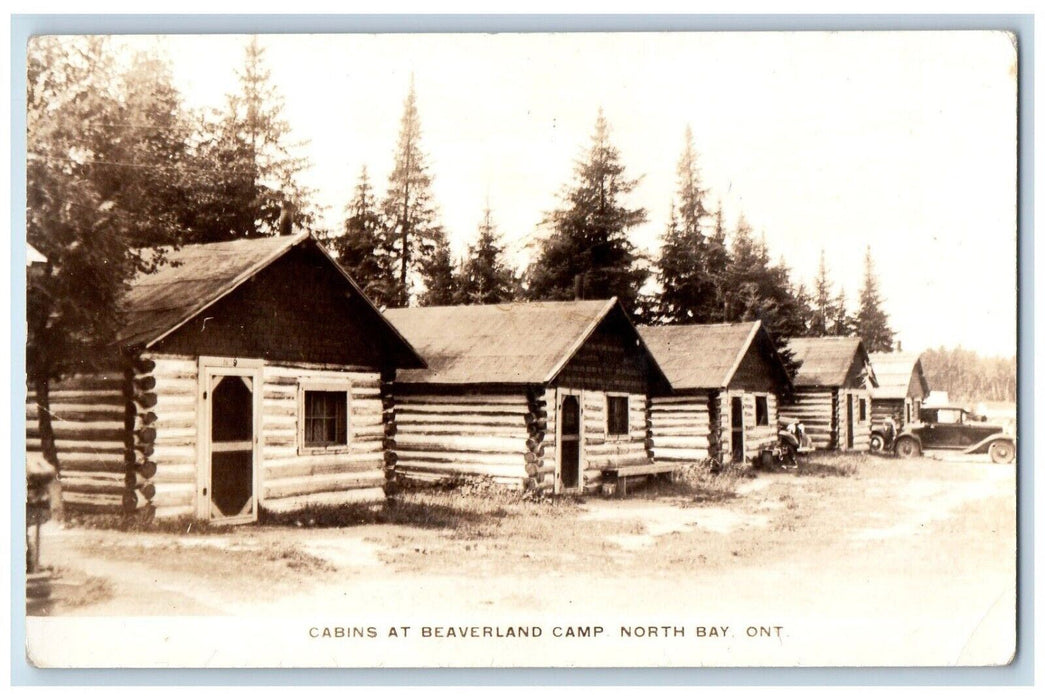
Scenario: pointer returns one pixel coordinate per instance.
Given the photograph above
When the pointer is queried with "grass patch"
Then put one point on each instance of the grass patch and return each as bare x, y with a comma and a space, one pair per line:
142, 522
699, 483
833, 464
294, 558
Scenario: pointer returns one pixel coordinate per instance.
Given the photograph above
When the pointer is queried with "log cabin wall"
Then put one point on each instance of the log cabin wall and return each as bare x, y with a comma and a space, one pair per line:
89, 420
681, 427
295, 476
166, 425
601, 450
816, 408
881, 409
449, 433
757, 437
861, 427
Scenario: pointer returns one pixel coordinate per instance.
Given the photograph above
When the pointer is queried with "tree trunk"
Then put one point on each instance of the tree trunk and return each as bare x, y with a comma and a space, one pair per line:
43, 401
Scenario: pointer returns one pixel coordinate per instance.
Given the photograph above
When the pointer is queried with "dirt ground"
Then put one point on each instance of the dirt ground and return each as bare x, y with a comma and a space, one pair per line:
855, 537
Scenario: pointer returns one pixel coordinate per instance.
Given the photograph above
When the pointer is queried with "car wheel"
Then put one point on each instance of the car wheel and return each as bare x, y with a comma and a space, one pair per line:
1002, 452
877, 443
907, 448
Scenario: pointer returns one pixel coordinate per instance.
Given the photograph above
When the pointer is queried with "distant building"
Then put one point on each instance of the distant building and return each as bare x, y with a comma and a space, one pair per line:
901, 389
833, 392
543, 395
726, 381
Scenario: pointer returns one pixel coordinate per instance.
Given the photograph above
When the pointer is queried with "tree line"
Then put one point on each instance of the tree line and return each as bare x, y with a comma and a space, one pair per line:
967, 376
118, 165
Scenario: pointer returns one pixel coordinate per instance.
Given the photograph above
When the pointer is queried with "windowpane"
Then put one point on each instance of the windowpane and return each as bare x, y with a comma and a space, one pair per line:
326, 418
617, 415
761, 410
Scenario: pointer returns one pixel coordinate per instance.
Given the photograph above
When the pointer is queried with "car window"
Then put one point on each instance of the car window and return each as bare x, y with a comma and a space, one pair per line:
949, 415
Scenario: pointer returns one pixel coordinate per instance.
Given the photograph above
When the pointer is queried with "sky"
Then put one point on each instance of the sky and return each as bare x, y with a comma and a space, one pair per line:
904, 141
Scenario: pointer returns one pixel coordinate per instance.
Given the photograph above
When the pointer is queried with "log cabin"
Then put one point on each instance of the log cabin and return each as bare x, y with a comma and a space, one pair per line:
902, 387
549, 396
247, 375
726, 383
833, 392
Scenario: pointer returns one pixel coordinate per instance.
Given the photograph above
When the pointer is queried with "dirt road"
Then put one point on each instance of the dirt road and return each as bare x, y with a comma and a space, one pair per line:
923, 549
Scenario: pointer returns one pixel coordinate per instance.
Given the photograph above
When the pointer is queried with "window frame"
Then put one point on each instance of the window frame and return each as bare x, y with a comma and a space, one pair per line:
764, 398
626, 435
306, 385
863, 410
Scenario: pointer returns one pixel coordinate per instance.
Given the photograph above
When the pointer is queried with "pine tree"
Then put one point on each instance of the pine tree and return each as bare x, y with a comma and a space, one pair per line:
250, 167
684, 268
872, 323
485, 279
409, 210
588, 245
362, 248
842, 322
439, 274
824, 313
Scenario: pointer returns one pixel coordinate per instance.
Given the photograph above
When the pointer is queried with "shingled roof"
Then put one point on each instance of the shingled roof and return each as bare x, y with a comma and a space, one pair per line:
194, 277
831, 361
898, 373
704, 356
516, 343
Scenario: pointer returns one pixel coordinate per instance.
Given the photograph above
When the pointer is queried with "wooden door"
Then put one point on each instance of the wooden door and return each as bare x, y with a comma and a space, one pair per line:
736, 413
228, 444
570, 442
849, 421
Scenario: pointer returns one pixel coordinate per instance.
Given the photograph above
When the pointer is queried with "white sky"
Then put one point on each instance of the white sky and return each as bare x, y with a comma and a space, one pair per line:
906, 141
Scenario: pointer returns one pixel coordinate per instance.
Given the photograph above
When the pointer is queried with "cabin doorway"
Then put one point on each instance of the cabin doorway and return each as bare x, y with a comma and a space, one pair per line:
736, 413
570, 442
228, 446
849, 421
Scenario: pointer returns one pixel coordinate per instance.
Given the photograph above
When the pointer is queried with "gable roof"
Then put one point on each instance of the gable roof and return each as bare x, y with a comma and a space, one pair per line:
896, 373
514, 343
831, 361
706, 356
194, 277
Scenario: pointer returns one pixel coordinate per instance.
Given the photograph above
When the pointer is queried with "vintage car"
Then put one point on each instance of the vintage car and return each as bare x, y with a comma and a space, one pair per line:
958, 429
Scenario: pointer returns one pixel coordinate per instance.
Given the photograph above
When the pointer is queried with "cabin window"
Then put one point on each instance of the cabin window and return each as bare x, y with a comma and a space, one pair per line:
323, 416
761, 410
326, 418
863, 410
617, 415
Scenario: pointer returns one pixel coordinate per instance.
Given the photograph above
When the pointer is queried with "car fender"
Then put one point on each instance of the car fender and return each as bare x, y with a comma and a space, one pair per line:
982, 446
909, 434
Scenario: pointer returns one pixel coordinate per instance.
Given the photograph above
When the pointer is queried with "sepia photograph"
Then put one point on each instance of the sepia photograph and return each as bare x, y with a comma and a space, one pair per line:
521, 350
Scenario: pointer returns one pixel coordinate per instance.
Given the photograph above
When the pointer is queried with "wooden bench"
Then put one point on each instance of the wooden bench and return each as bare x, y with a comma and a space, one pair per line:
621, 474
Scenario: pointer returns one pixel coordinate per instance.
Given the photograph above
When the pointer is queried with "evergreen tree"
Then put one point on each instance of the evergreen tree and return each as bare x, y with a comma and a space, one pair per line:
824, 313
362, 248
872, 323
248, 166
684, 268
439, 274
842, 323
414, 235
588, 245
485, 279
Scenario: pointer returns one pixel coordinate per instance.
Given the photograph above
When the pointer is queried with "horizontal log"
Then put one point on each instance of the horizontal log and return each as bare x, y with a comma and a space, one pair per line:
114, 487
681, 442
90, 462
607, 461
328, 499
676, 454
303, 468
460, 443
319, 461
102, 431
300, 486
451, 409
456, 457
466, 468
405, 417
174, 494
173, 453
90, 398
106, 381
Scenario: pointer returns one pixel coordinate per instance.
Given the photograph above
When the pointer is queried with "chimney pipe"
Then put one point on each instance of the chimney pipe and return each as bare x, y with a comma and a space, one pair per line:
578, 286
286, 218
